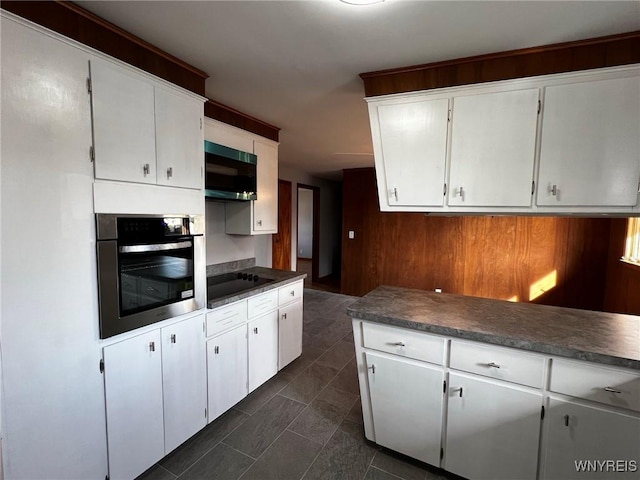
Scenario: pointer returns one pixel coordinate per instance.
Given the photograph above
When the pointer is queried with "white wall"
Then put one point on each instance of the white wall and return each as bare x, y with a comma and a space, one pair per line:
330, 218
305, 223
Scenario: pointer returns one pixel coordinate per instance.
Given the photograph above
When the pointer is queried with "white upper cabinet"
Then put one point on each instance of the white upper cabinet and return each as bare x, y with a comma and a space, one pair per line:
555, 144
265, 208
493, 149
590, 147
123, 125
145, 132
410, 145
179, 140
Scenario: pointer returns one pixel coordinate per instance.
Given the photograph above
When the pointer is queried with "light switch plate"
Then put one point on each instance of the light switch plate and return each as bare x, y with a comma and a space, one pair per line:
352, 234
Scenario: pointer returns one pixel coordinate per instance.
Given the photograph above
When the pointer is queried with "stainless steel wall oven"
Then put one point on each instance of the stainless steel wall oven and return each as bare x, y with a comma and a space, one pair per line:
147, 269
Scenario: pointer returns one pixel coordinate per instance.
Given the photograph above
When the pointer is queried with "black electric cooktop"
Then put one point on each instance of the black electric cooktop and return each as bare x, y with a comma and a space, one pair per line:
227, 284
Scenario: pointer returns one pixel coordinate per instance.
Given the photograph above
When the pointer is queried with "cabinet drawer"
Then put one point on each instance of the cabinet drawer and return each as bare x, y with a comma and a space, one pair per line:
404, 342
499, 363
262, 303
226, 317
612, 386
290, 293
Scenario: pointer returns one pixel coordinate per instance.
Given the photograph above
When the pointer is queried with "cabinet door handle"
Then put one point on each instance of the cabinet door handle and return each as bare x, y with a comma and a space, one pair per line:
292, 293
459, 192
372, 368
284, 316
395, 194
169, 172
255, 330
566, 420
611, 390
259, 223
216, 350
173, 338
460, 392
493, 365
554, 190
152, 346
146, 170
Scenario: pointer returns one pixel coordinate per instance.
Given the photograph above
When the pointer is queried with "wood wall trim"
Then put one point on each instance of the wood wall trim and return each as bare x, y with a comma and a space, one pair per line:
74, 22
609, 51
231, 116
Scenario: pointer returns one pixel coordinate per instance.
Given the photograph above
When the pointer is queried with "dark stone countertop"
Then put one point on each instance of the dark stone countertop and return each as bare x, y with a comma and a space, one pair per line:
280, 278
606, 338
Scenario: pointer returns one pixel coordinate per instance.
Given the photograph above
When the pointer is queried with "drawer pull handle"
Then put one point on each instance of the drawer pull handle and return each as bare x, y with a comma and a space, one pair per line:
292, 293
399, 344
611, 390
566, 420
493, 365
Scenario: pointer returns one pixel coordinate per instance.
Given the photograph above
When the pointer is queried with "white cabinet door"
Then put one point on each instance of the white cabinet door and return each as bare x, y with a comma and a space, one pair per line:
493, 142
576, 433
226, 370
184, 380
590, 147
492, 430
413, 146
263, 349
133, 391
179, 140
265, 208
123, 125
289, 333
406, 401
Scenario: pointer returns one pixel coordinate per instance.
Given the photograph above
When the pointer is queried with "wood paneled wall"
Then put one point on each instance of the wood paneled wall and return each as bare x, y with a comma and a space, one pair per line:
495, 257
621, 49
623, 280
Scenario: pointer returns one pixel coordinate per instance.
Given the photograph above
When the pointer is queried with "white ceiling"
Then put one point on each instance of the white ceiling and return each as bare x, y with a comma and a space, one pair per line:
295, 64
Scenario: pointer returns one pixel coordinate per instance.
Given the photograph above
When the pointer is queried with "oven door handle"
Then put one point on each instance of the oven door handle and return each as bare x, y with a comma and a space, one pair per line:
158, 247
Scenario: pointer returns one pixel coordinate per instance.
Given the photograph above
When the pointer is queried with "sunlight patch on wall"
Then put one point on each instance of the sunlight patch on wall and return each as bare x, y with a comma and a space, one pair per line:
546, 283
513, 299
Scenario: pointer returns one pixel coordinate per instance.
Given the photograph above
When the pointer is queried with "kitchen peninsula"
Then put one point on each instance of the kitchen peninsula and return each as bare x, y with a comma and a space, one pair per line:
493, 389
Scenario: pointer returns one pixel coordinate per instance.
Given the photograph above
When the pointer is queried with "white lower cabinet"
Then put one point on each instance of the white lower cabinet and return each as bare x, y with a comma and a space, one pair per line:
493, 429
491, 423
406, 403
289, 334
155, 390
289, 323
184, 386
133, 391
589, 442
227, 370
263, 349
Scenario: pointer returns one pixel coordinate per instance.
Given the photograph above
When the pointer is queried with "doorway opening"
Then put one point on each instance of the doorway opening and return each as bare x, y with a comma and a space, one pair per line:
308, 231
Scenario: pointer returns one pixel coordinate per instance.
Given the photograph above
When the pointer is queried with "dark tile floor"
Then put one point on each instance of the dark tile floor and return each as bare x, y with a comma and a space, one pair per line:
306, 422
